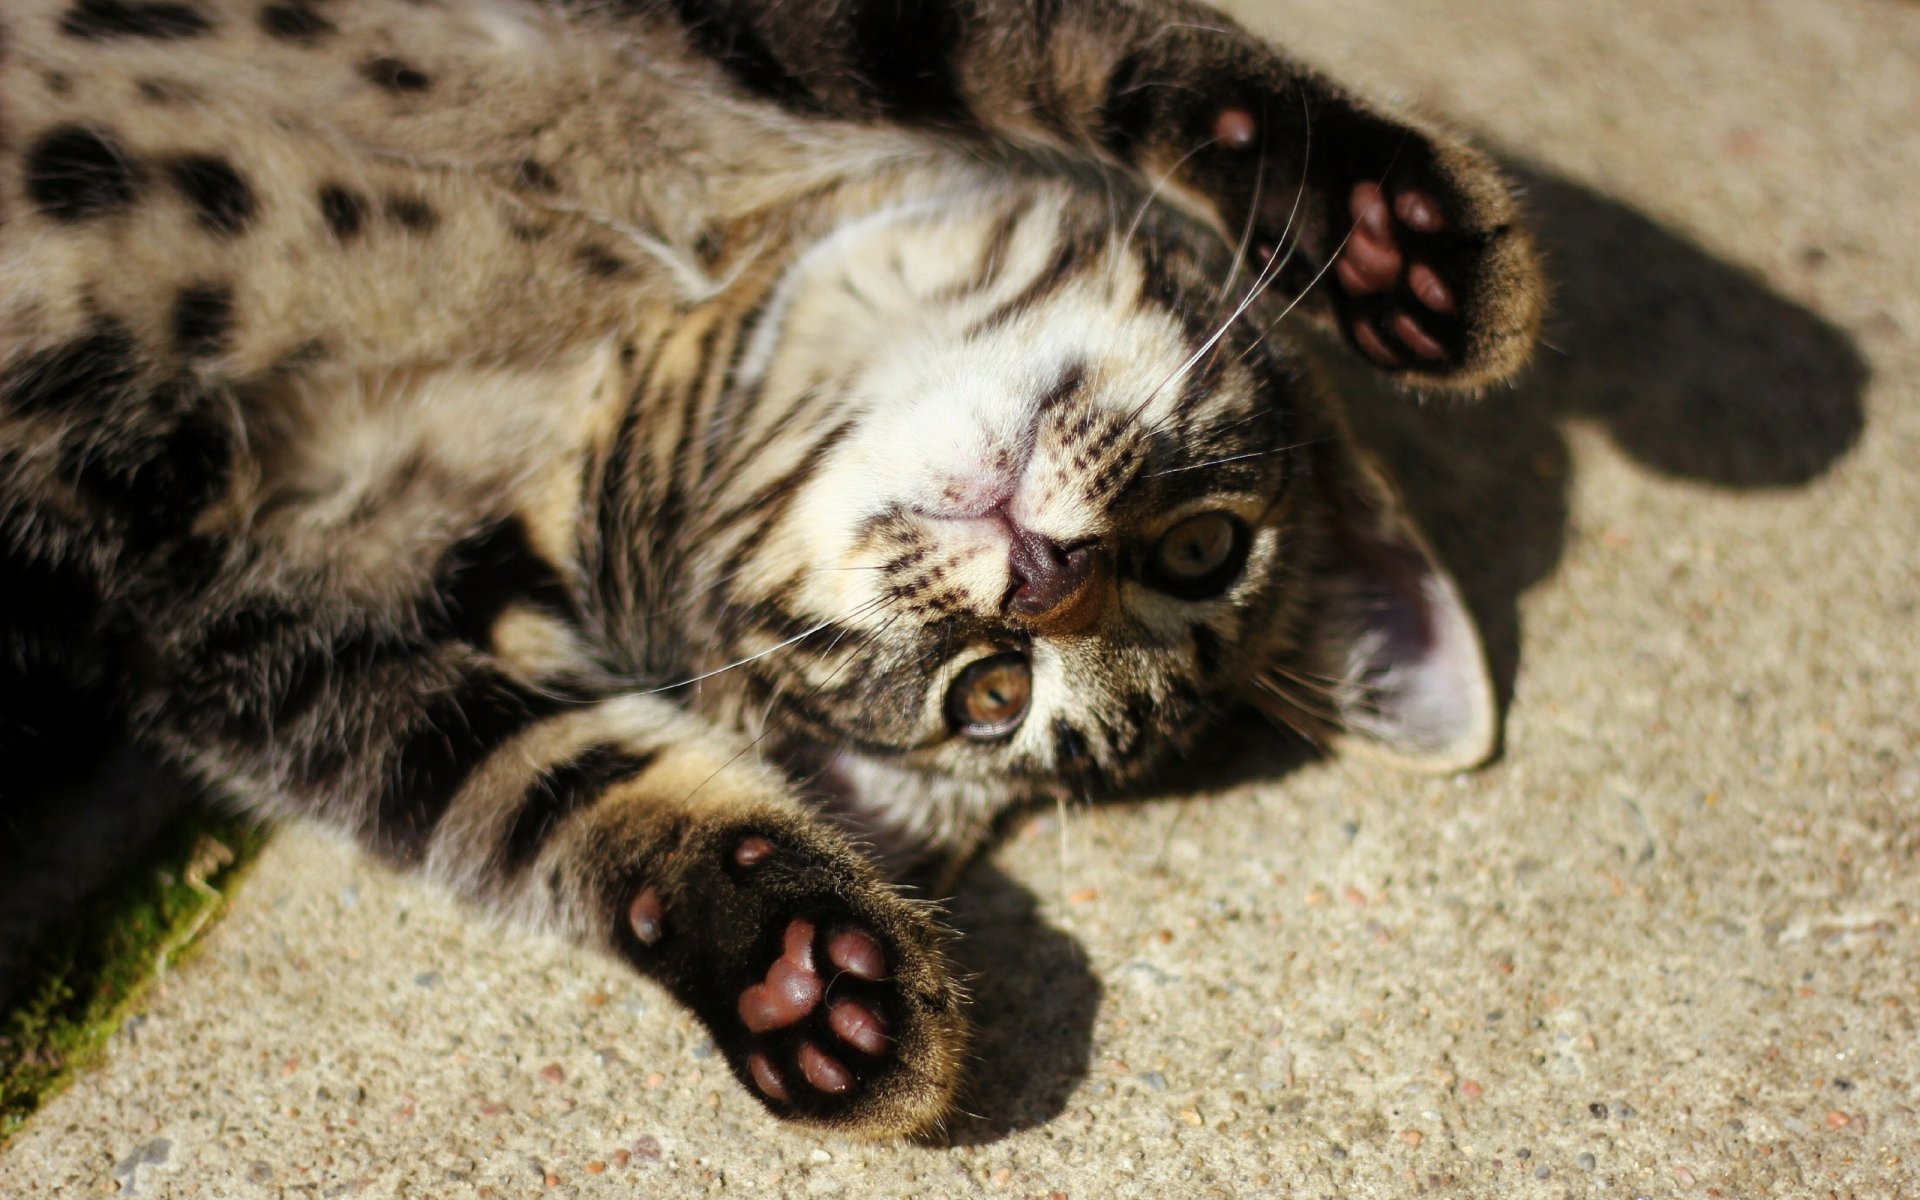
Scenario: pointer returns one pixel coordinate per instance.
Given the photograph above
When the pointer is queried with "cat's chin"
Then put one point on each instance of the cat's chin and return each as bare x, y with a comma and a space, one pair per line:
910, 822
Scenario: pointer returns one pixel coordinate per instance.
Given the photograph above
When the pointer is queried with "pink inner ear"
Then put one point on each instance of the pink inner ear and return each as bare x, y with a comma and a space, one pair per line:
1411, 676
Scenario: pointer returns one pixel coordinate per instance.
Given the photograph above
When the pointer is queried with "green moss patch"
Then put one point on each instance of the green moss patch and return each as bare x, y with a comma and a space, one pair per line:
85, 977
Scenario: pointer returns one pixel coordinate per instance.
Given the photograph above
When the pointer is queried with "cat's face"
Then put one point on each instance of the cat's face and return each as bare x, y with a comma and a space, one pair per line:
1060, 509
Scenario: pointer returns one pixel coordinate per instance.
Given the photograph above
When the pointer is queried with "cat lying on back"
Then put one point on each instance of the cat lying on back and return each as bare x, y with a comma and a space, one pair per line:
664, 469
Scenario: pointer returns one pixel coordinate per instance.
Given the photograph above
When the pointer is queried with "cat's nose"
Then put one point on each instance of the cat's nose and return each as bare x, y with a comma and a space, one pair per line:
1051, 584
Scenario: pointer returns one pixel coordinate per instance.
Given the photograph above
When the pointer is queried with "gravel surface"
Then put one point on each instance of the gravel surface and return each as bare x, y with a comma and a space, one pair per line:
1668, 946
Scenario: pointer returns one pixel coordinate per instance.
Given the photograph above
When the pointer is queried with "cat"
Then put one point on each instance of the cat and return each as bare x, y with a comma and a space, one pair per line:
668, 472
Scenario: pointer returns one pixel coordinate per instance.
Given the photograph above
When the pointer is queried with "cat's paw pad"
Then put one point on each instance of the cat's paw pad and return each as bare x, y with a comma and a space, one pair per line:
1401, 300
817, 1027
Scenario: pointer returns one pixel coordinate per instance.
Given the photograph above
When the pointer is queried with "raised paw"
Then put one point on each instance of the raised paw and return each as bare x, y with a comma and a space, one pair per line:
1410, 238
827, 992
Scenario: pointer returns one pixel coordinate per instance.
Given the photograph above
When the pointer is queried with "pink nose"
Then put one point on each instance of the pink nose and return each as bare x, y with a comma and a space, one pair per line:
1046, 576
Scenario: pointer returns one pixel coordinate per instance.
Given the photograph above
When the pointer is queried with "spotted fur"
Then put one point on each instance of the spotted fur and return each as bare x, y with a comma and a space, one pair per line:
577, 449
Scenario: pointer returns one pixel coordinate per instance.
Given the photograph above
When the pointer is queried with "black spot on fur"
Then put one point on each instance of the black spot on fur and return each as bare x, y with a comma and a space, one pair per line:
529, 232
74, 173
534, 177
1127, 112
88, 375
203, 319
59, 83
1206, 648
156, 486
598, 261
393, 75
708, 248
1069, 744
166, 91
295, 22
95, 19
560, 792
345, 212
458, 731
905, 57
222, 201
485, 573
410, 212
727, 36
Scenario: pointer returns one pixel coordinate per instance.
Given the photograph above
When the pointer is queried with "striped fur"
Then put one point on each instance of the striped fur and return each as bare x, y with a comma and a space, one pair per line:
574, 449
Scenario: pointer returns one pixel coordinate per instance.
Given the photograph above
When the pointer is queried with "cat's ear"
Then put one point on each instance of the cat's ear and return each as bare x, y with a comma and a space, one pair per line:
1391, 644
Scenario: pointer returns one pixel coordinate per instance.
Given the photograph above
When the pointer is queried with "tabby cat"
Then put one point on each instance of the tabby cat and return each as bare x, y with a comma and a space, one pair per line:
668, 469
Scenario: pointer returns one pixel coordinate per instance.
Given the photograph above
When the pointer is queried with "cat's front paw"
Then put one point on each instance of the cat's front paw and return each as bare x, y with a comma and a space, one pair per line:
827, 991
818, 1023
1410, 238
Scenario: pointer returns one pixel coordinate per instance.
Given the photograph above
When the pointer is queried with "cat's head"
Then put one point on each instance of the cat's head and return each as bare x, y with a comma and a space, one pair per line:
1031, 508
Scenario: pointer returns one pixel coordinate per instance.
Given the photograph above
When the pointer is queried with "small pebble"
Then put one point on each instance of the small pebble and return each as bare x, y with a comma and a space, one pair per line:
427, 979
1542, 1173
596, 1167
1412, 1137
1599, 1111
1837, 1119
1471, 1089
1683, 1177
622, 1157
647, 1147
1154, 1080
552, 1073
1083, 896
1585, 1162
654, 1081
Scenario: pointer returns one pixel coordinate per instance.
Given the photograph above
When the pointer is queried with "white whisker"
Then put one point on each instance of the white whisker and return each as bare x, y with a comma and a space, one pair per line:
857, 610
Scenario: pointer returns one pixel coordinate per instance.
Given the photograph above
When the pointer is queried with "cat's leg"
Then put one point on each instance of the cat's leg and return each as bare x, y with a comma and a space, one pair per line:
1411, 238
436, 737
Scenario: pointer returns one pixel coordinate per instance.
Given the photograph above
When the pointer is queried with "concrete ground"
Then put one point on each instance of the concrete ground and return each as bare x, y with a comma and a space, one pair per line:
1668, 946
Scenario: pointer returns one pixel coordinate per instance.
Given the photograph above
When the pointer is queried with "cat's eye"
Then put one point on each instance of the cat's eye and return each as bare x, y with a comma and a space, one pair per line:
990, 697
1199, 557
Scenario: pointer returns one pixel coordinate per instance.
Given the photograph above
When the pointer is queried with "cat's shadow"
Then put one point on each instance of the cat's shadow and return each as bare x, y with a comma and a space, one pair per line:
1695, 369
